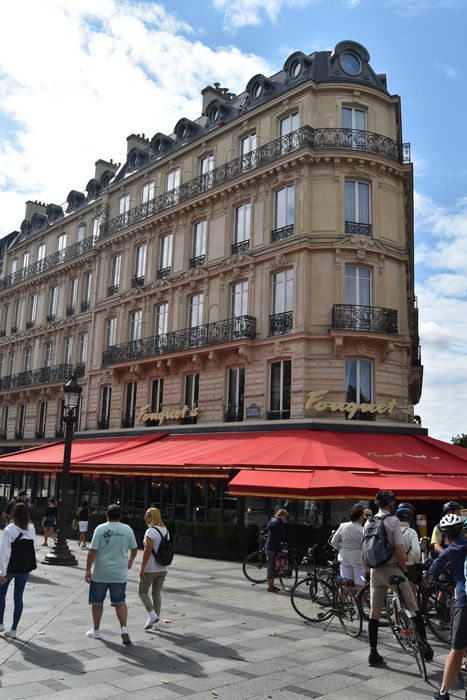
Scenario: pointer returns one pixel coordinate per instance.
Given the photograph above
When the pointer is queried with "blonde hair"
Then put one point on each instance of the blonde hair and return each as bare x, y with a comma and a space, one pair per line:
156, 518
281, 512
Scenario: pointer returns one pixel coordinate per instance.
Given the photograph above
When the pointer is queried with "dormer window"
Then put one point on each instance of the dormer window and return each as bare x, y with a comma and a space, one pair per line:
258, 87
295, 69
160, 143
350, 64
257, 90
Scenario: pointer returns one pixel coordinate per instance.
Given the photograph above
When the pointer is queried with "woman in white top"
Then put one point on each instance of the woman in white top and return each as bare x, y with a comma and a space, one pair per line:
348, 541
17, 559
152, 574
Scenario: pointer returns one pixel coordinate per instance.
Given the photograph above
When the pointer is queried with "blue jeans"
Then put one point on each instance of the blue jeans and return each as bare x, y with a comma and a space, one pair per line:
20, 585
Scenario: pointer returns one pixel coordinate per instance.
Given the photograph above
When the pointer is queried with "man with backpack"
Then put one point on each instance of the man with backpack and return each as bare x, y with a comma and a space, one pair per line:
383, 554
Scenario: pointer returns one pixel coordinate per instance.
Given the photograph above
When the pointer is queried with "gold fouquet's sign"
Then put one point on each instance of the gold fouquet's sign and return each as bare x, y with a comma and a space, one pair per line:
315, 402
176, 414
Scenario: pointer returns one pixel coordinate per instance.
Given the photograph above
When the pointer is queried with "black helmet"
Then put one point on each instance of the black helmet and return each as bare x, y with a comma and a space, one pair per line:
407, 505
450, 506
451, 524
404, 514
385, 498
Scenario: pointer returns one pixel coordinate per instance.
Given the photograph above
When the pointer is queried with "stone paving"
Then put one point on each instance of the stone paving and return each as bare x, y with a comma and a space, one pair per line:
219, 637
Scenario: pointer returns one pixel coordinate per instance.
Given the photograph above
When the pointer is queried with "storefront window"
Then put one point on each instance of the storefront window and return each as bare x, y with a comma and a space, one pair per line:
182, 498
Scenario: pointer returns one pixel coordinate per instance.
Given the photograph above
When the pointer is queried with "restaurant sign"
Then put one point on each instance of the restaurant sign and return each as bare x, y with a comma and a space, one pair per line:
161, 416
315, 401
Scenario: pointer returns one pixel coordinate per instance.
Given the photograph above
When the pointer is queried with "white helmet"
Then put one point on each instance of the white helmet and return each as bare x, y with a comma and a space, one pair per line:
451, 523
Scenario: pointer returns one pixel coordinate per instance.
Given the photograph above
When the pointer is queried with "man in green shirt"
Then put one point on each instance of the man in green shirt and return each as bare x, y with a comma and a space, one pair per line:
108, 560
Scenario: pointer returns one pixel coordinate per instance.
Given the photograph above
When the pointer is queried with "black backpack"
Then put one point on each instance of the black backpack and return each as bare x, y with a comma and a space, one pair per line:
376, 548
165, 552
22, 557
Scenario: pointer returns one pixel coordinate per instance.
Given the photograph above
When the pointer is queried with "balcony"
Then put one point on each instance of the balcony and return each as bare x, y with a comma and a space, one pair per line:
279, 233
51, 318
163, 273
49, 262
354, 228
43, 375
233, 414
70, 310
306, 137
240, 247
111, 291
2, 333
241, 327
85, 305
279, 324
80, 369
137, 281
364, 318
29, 325
14, 330
197, 262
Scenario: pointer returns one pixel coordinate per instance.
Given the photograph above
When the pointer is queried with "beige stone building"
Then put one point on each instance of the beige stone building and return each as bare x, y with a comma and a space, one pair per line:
255, 265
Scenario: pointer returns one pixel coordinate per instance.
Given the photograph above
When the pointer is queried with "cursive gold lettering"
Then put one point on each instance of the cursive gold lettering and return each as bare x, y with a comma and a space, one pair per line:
171, 414
316, 402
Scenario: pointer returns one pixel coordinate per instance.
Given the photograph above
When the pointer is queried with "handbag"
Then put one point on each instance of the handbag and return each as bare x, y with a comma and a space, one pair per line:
74, 524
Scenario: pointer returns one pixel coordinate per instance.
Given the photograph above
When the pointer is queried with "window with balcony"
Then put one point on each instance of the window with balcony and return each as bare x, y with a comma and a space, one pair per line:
32, 310
284, 213
123, 209
96, 227
5, 412
27, 359
157, 396
86, 298
16, 316
128, 420
280, 390
359, 385
61, 241
195, 310
11, 364
25, 260
206, 166
172, 183
288, 124
357, 208
68, 350
191, 392
115, 270
41, 420
72, 296
136, 324
357, 285
281, 319
161, 325
148, 192
242, 231
49, 351
354, 118
199, 244
20, 421
53, 304
13, 266
81, 233
165, 256
105, 404
239, 299
110, 332
139, 269
40, 256
247, 148
4, 326
82, 352
235, 394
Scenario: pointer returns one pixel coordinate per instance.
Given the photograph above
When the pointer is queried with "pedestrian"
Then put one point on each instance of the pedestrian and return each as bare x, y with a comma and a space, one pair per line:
107, 570
348, 541
438, 538
274, 543
411, 546
152, 574
82, 515
17, 560
383, 531
49, 521
453, 557
6, 515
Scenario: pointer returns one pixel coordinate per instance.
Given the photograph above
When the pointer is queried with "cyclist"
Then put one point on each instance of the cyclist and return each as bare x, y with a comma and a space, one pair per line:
413, 520
348, 541
453, 557
274, 543
438, 539
411, 546
380, 577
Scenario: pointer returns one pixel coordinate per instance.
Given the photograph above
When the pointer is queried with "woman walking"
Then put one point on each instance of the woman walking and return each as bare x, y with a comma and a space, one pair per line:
152, 574
50, 520
17, 559
82, 515
348, 541
274, 543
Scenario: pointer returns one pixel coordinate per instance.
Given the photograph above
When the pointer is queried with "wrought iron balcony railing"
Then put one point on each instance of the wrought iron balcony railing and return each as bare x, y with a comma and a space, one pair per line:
364, 318
29, 325
50, 318
137, 281
14, 329
279, 324
2, 333
209, 334
240, 247
111, 291
356, 228
43, 375
58, 258
279, 233
233, 414
197, 262
85, 305
163, 273
316, 139
70, 310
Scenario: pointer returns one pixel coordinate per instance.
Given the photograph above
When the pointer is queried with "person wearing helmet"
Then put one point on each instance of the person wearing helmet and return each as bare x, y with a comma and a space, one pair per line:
453, 557
411, 546
438, 538
380, 576
413, 519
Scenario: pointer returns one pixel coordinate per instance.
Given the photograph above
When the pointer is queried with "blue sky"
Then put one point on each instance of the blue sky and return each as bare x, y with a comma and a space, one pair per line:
76, 78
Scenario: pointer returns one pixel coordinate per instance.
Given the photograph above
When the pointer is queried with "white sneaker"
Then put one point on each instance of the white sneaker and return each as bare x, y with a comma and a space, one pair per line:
151, 621
94, 634
2, 627
12, 634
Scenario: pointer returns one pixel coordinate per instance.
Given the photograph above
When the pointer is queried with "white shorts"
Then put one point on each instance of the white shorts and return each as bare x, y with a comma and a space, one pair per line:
353, 571
83, 525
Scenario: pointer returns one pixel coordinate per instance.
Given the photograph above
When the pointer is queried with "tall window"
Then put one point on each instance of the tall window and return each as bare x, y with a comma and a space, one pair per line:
282, 291
206, 166
165, 256
157, 394
195, 310
288, 124
25, 261
235, 394
86, 300
123, 209
40, 256
240, 299
27, 359
115, 269
1, 364
136, 322
172, 184
68, 350
53, 303
49, 353
110, 332
130, 405
96, 227
353, 118
140, 262
148, 192
161, 320
284, 207
72, 296
5, 422
199, 239
83, 348
191, 390
20, 420
357, 207
14, 266
32, 309
106, 400
81, 233
41, 419
247, 146
16, 314
359, 383
11, 364
5, 308
242, 223
357, 285
280, 389
61, 242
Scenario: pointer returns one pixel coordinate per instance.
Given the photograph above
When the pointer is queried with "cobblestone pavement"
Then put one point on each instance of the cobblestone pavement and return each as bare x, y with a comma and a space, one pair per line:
219, 637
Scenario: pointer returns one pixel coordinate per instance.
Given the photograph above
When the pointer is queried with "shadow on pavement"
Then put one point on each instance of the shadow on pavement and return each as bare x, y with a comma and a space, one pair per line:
200, 644
154, 660
46, 657
41, 579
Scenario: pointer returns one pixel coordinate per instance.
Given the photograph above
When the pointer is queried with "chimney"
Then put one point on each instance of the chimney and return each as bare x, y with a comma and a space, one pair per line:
209, 93
137, 141
34, 208
103, 165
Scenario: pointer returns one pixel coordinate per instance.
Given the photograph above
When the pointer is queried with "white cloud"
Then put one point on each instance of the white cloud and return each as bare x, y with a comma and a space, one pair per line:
448, 70
241, 13
351, 3
414, 7
97, 73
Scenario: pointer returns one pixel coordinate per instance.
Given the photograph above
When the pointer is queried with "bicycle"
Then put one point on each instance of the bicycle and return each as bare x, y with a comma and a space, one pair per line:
255, 565
363, 600
401, 620
437, 606
318, 600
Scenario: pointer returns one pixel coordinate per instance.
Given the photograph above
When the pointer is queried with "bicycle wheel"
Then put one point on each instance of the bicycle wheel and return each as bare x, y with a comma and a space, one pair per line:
289, 579
363, 600
255, 567
437, 610
348, 610
312, 599
404, 630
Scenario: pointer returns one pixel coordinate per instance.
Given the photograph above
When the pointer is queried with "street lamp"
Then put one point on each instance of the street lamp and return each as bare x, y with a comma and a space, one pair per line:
60, 554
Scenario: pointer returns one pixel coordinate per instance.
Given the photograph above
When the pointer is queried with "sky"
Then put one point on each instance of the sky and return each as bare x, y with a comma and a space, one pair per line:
76, 78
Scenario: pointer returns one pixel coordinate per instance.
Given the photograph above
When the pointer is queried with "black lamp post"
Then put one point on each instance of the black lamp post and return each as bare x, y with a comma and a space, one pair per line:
60, 554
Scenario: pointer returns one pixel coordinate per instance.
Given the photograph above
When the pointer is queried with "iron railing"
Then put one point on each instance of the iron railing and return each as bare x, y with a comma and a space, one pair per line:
279, 233
58, 258
51, 318
198, 261
29, 325
43, 375
163, 272
317, 139
14, 329
354, 228
2, 333
364, 318
208, 334
70, 310
85, 305
111, 291
233, 414
137, 281
279, 324
240, 247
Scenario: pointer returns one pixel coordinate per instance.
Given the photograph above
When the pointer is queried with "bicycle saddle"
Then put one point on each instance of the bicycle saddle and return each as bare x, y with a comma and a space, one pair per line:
396, 579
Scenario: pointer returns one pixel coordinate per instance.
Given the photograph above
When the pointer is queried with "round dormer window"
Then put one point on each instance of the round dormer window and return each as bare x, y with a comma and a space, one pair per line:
296, 69
183, 132
215, 114
350, 64
257, 90
158, 147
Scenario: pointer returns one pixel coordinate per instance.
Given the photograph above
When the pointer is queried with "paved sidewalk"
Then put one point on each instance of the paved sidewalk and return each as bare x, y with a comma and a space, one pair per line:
219, 637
